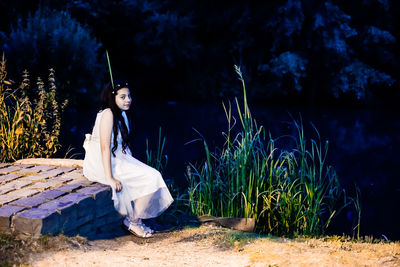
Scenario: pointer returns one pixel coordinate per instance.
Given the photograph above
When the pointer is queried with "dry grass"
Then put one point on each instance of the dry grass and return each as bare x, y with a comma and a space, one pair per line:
30, 118
14, 251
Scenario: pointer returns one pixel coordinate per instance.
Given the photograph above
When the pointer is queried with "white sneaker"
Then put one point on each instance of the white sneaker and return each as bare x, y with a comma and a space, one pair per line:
138, 230
127, 223
146, 228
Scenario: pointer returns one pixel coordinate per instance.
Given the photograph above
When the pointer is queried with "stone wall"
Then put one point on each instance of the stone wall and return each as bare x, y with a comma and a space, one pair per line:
45, 199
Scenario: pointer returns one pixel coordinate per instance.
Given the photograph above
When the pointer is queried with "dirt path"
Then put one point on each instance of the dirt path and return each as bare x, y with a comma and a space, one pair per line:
189, 247
214, 246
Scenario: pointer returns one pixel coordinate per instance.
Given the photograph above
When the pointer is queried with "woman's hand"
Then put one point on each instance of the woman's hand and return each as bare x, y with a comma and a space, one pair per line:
117, 184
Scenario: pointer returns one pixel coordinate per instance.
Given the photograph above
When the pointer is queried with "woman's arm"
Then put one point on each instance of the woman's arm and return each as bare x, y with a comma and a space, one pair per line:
106, 126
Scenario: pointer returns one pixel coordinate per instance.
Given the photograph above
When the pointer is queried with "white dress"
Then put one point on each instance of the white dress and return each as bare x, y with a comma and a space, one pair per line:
144, 193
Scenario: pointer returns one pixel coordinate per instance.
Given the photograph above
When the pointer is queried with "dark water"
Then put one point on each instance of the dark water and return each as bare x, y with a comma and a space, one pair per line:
363, 147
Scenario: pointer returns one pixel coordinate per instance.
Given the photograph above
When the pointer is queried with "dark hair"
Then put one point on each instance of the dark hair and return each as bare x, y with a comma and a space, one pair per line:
108, 101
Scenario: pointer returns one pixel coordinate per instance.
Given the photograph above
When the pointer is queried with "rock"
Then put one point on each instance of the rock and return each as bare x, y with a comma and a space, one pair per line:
241, 224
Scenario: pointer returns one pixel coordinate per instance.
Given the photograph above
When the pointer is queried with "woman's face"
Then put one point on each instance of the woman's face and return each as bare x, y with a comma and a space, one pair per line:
123, 98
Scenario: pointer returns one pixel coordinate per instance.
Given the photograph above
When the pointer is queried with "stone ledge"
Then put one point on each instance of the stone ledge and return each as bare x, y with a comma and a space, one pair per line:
40, 199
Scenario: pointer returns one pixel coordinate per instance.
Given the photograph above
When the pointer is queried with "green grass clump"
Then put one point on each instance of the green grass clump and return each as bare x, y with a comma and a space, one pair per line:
288, 192
29, 121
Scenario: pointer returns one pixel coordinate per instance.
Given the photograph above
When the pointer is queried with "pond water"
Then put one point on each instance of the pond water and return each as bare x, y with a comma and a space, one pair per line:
363, 147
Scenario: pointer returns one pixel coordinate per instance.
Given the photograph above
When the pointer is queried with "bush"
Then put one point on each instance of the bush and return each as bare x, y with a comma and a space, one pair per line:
30, 121
53, 39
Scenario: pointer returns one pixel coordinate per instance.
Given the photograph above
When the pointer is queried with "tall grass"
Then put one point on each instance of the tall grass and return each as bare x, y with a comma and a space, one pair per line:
357, 206
287, 192
157, 158
28, 128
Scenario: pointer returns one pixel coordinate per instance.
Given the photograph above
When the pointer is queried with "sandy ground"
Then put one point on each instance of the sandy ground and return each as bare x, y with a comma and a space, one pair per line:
215, 246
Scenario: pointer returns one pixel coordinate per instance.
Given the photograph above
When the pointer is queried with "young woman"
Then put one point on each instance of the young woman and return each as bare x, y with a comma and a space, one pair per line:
138, 191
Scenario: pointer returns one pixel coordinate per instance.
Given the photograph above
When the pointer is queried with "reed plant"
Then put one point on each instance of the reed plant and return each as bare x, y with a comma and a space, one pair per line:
30, 119
288, 192
157, 158
357, 207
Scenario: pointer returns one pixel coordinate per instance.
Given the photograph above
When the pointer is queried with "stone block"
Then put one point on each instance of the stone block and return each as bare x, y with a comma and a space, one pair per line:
57, 205
23, 166
114, 217
98, 222
110, 218
9, 169
72, 232
81, 181
94, 236
104, 210
17, 194
5, 189
37, 168
53, 173
75, 209
85, 203
52, 194
29, 202
36, 222
6, 212
103, 198
68, 187
68, 222
4, 199
13, 185
50, 183
103, 194
86, 229
68, 213
9, 177
25, 192
74, 174
71, 221
66, 169
93, 190
61, 179
86, 206
3, 165
104, 203
76, 198
35, 177
87, 217
109, 227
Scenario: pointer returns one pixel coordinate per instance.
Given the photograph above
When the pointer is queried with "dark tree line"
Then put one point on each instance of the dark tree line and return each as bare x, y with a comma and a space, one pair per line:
309, 52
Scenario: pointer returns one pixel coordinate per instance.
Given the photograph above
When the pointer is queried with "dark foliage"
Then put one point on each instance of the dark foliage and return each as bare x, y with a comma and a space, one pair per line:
53, 39
306, 51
